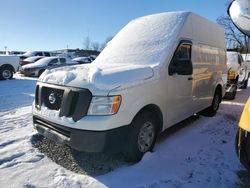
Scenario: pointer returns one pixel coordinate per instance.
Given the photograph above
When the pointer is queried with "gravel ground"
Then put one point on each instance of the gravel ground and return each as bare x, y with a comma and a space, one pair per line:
92, 164
95, 164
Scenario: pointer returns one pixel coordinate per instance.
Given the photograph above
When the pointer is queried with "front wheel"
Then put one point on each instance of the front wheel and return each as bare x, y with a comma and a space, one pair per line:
232, 93
142, 137
40, 72
242, 147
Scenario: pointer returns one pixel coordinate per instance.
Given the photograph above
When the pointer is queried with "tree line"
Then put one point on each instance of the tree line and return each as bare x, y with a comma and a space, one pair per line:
88, 44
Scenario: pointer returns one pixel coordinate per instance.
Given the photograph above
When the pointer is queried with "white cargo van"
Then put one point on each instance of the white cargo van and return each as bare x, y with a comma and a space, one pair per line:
157, 71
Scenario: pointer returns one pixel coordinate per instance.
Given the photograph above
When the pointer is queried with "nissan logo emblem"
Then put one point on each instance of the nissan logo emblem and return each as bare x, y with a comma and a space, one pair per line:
52, 98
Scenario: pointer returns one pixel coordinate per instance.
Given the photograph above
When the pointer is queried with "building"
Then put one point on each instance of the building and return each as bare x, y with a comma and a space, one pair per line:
76, 52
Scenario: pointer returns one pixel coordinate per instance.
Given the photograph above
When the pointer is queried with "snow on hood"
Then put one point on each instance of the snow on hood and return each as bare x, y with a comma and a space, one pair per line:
143, 43
104, 78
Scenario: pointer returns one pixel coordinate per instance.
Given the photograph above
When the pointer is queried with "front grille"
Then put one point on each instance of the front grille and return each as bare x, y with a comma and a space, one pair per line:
52, 98
70, 102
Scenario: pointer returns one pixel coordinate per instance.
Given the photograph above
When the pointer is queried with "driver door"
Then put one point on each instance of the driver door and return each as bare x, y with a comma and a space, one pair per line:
179, 86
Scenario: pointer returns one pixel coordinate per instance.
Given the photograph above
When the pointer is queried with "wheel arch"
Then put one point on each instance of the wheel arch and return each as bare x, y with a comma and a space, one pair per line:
8, 66
156, 111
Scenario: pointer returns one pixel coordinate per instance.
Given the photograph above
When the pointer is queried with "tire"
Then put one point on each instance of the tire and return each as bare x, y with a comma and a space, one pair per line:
231, 95
243, 149
6, 73
211, 111
244, 86
143, 136
40, 72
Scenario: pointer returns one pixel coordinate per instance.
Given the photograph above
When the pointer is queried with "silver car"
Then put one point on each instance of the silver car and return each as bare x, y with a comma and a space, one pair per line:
37, 68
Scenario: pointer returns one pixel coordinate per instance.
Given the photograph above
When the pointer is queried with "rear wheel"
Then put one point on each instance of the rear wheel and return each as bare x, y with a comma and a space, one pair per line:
6, 73
211, 111
142, 137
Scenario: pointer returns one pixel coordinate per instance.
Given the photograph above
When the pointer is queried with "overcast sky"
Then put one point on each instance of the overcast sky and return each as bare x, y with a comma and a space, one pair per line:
54, 24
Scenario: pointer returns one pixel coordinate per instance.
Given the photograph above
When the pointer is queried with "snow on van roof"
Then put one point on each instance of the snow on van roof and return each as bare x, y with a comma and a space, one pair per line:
143, 44
145, 40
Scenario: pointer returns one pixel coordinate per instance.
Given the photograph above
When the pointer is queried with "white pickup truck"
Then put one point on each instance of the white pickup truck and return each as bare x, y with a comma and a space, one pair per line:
238, 74
8, 66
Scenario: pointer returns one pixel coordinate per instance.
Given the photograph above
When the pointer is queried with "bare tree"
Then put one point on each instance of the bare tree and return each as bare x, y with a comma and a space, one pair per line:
86, 43
104, 44
95, 46
234, 38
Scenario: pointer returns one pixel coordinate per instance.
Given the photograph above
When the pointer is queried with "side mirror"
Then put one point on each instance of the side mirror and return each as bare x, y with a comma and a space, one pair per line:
239, 11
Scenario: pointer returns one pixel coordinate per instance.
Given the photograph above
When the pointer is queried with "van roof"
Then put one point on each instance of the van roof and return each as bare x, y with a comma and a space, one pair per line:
151, 39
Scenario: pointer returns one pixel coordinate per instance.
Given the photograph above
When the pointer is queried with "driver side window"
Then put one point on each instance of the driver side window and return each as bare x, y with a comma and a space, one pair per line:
181, 62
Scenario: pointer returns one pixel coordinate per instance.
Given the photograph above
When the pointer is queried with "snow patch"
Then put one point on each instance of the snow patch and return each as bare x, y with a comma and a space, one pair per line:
55, 115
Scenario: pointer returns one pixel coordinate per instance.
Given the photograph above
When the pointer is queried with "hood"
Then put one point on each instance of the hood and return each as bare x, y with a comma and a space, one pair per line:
98, 77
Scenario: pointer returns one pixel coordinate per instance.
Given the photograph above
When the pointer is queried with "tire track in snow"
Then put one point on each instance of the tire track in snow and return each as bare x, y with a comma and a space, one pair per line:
10, 160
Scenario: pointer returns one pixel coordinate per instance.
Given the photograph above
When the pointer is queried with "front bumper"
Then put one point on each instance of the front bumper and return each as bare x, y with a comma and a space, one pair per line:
110, 141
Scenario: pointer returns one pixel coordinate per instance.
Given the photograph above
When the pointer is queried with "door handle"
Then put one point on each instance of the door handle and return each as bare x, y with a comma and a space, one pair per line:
190, 78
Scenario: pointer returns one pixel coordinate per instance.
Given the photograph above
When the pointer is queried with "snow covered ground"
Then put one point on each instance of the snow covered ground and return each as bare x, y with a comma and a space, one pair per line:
198, 152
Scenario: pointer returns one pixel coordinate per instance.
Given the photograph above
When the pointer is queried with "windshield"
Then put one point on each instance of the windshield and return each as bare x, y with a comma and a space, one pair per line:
144, 41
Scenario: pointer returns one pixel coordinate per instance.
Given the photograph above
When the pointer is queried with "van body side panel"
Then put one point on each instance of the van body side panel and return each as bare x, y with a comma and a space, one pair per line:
209, 70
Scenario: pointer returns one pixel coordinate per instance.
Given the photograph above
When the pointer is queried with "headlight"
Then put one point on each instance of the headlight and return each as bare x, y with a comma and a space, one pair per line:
104, 105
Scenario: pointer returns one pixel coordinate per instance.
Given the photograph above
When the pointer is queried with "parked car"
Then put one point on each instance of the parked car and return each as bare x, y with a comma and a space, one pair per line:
68, 56
30, 60
9, 64
37, 68
34, 53
157, 71
92, 57
238, 74
242, 140
82, 60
